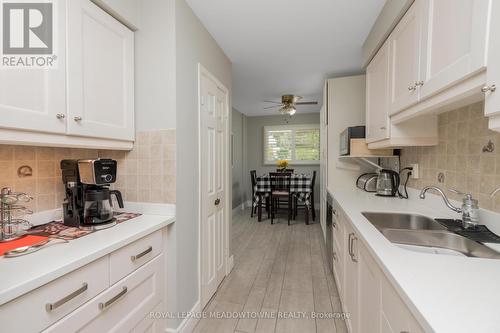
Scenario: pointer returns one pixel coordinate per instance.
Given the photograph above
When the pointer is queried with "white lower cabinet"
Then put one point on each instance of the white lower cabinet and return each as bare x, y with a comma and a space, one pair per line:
123, 306
86, 300
367, 295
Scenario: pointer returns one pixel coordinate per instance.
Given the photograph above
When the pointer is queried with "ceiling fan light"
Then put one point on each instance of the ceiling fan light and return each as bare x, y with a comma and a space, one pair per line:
288, 109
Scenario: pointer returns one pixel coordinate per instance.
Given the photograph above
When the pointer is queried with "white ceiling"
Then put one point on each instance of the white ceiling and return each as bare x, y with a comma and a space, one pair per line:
287, 46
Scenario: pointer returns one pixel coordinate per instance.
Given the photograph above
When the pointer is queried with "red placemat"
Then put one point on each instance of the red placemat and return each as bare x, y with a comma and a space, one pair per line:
57, 229
23, 241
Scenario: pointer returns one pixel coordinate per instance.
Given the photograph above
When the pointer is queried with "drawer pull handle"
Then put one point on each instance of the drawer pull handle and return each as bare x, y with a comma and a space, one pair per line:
65, 299
106, 304
142, 254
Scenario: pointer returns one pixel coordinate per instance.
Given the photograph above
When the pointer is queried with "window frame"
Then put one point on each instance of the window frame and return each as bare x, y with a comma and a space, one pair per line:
293, 128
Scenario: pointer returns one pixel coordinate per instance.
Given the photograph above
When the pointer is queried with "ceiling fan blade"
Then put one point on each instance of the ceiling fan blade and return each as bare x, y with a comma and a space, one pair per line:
272, 102
271, 107
306, 103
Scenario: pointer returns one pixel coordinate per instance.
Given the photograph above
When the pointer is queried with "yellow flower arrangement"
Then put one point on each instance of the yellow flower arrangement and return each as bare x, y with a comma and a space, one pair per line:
282, 164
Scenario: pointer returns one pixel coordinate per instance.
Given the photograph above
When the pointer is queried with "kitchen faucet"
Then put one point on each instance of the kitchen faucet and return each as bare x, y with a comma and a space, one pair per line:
469, 209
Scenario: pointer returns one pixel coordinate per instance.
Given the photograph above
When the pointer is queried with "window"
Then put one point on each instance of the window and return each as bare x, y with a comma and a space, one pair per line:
298, 144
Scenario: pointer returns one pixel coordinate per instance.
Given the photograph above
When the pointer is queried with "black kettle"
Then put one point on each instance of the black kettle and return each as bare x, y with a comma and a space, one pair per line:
387, 183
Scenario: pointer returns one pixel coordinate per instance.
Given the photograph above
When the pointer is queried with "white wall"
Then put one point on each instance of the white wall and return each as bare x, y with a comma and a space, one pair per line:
240, 178
193, 45
155, 66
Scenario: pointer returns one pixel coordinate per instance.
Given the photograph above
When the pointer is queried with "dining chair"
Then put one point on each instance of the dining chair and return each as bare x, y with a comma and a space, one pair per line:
298, 205
253, 179
280, 188
282, 200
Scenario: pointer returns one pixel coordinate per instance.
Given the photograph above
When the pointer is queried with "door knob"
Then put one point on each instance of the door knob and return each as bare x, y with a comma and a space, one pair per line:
491, 88
60, 116
217, 201
78, 118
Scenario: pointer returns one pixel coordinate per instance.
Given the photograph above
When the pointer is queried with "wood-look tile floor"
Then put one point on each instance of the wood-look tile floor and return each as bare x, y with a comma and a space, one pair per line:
278, 269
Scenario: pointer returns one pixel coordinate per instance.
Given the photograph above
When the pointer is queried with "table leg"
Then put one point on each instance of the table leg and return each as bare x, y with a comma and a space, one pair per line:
259, 209
306, 210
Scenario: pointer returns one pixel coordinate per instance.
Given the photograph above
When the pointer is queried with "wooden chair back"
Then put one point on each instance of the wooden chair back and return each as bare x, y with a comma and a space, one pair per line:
280, 181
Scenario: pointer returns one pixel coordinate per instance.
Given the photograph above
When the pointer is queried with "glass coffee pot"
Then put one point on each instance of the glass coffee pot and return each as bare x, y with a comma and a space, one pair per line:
98, 208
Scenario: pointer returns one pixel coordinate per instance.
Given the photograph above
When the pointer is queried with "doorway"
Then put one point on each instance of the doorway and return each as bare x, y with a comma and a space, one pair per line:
214, 175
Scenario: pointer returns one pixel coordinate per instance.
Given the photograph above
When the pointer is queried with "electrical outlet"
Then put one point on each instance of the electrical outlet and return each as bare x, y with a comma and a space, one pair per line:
415, 172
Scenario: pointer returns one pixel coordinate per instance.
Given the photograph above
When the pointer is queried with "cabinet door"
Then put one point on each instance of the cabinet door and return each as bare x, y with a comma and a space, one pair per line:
369, 289
453, 42
492, 99
351, 281
377, 97
404, 47
35, 99
395, 315
100, 74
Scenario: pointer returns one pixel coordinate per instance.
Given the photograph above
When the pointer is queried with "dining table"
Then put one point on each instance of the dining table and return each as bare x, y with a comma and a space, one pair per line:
300, 187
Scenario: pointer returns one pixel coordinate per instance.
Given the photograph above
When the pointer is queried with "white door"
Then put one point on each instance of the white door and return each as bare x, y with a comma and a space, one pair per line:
35, 99
377, 96
100, 74
492, 98
213, 147
404, 47
454, 37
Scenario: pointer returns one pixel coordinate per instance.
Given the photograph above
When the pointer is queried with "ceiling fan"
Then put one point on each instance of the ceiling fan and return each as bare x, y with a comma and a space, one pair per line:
288, 104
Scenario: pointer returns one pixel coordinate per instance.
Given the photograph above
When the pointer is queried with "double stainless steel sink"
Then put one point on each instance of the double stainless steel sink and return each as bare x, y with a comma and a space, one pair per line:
419, 230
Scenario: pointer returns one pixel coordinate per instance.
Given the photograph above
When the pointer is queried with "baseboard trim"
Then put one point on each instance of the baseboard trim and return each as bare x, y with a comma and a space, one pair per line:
187, 325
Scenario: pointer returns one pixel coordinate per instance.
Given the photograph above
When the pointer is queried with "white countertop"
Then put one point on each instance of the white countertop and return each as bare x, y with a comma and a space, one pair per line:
445, 293
23, 274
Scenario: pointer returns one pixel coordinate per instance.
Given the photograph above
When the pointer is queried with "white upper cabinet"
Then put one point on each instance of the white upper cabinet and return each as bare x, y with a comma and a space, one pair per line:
454, 39
492, 98
34, 99
100, 74
404, 44
377, 96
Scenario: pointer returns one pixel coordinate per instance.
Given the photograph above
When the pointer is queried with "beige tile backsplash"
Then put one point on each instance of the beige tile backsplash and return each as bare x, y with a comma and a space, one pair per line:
145, 174
459, 156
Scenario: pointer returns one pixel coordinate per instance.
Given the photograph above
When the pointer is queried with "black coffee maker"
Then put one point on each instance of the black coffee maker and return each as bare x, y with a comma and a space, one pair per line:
88, 197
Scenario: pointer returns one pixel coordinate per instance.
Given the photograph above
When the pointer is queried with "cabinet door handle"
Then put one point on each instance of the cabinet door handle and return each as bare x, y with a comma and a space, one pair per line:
334, 256
142, 254
77, 118
412, 88
353, 257
419, 83
349, 244
65, 299
60, 116
491, 88
106, 304
334, 225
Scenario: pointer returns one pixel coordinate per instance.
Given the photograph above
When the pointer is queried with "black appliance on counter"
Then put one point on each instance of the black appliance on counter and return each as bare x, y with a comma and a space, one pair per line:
88, 197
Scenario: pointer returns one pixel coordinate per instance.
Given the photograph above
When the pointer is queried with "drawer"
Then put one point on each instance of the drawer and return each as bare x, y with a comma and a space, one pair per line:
127, 259
44, 306
122, 307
